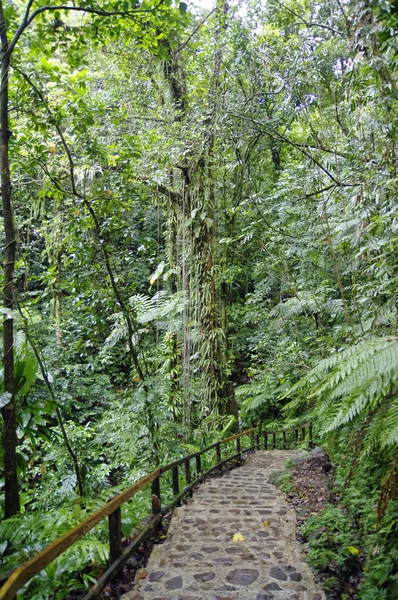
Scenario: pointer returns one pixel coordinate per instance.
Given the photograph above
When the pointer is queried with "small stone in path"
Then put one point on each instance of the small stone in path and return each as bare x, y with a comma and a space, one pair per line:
209, 549
242, 576
155, 575
278, 573
204, 576
272, 586
175, 583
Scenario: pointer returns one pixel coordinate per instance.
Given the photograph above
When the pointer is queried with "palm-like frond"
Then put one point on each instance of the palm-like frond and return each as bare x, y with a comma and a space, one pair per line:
307, 303
163, 310
361, 382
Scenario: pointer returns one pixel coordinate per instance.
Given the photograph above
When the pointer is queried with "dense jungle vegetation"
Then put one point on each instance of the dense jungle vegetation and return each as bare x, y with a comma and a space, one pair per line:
200, 232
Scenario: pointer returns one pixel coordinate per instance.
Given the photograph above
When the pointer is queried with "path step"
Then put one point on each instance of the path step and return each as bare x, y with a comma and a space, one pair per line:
200, 559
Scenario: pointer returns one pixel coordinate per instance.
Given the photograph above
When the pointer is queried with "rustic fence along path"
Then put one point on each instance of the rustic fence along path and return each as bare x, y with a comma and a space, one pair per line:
234, 540
185, 473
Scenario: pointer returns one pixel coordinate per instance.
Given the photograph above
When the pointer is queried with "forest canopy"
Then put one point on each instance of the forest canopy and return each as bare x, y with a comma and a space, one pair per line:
199, 234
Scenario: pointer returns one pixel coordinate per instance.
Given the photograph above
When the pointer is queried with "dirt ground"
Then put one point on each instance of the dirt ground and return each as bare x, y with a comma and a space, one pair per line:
312, 490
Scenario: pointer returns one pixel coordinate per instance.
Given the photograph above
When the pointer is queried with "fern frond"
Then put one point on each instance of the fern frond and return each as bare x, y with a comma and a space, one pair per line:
390, 430
256, 402
249, 389
356, 384
119, 331
373, 433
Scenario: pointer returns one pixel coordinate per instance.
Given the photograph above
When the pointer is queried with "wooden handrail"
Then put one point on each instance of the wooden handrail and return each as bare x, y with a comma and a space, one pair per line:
111, 509
41, 560
180, 461
51, 552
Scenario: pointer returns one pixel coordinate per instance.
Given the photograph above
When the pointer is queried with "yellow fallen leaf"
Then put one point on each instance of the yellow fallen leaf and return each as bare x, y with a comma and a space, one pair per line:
238, 537
143, 574
266, 523
352, 550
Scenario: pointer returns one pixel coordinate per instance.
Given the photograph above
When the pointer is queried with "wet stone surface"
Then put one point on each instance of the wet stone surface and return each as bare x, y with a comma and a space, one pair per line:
200, 559
242, 576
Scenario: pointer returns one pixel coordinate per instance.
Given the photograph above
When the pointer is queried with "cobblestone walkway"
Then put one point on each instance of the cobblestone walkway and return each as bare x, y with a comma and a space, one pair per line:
200, 560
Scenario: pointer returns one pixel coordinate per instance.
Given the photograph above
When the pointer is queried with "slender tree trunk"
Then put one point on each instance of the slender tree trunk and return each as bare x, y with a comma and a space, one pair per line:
186, 326
172, 250
57, 301
213, 351
8, 411
336, 266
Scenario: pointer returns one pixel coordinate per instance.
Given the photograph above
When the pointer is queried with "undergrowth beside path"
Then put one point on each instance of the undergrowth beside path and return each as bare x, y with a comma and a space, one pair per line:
325, 526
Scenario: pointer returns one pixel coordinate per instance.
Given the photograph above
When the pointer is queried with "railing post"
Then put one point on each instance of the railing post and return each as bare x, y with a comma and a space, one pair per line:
174, 479
156, 502
296, 434
310, 434
218, 453
284, 439
115, 535
302, 434
274, 441
198, 465
265, 441
187, 471
253, 439
238, 449
188, 478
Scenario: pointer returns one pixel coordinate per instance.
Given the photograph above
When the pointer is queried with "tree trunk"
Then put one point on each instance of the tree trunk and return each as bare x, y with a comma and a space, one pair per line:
8, 411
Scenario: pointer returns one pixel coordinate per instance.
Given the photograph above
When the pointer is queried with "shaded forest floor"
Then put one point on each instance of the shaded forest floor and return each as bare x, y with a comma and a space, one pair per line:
309, 486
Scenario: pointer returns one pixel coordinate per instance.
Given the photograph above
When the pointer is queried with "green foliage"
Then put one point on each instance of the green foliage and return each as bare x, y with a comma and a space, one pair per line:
333, 546
284, 481
382, 562
357, 383
249, 223
29, 533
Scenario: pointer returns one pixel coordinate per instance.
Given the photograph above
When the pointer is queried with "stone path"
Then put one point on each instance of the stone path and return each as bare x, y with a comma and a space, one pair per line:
200, 561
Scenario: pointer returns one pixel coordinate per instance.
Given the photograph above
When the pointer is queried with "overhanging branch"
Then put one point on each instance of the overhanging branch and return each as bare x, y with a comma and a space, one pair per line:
28, 19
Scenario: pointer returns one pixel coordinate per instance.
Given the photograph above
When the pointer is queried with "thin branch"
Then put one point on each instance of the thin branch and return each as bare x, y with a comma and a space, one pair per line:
28, 7
60, 418
347, 22
323, 149
185, 42
309, 23
27, 20
265, 127
266, 93
132, 329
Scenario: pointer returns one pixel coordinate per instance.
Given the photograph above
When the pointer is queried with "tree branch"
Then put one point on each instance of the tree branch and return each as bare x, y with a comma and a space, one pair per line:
309, 23
185, 42
271, 131
131, 327
44, 373
27, 20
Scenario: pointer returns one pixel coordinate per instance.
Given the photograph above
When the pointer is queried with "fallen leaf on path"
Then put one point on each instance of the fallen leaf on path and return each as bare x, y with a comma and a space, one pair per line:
143, 574
238, 537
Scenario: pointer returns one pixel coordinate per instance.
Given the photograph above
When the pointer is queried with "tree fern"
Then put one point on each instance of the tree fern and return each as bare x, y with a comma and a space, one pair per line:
306, 303
390, 428
356, 384
163, 310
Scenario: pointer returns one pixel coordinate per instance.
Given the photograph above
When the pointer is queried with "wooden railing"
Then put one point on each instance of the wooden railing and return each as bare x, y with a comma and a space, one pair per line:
280, 439
112, 510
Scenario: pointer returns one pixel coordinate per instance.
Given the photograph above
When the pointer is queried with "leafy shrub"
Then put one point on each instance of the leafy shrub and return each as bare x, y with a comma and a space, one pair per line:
333, 546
